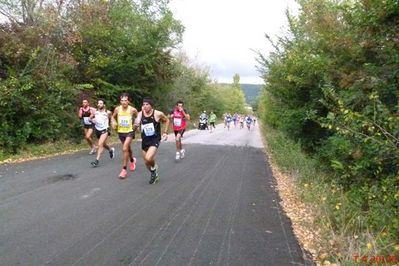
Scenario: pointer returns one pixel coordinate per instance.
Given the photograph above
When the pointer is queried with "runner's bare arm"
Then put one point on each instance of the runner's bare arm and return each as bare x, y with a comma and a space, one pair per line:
134, 112
93, 117
165, 120
113, 120
136, 123
186, 115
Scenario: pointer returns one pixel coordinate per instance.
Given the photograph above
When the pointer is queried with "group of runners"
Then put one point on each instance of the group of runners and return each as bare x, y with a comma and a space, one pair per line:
125, 120
238, 119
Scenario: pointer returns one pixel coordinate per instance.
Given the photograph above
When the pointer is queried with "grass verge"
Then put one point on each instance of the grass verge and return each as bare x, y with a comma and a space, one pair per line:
38, 151
324, 221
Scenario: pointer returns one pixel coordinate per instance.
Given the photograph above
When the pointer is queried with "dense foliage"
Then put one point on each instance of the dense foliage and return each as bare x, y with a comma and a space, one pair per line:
333, 85
53, 54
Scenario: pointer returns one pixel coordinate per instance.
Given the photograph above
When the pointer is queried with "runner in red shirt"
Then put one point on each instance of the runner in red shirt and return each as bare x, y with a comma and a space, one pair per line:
179, 117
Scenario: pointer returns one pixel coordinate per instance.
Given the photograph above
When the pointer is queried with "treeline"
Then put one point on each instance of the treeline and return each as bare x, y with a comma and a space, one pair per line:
332, 84
55, 53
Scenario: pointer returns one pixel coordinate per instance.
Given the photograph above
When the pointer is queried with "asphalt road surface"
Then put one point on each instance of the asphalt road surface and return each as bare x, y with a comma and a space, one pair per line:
217, 206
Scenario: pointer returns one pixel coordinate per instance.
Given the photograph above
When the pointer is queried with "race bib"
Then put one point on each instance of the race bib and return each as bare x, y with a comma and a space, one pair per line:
177, 122
124, 121
149, 129
100, 124
86, 120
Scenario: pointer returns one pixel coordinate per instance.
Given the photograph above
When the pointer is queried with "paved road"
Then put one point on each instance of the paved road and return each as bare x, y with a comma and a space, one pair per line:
216, 207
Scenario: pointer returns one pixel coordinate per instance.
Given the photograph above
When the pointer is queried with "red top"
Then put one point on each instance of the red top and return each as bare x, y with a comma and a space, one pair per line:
179, 120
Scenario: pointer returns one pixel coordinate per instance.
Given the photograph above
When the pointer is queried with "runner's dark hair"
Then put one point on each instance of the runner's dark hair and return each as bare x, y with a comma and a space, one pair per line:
125, 94
149, 101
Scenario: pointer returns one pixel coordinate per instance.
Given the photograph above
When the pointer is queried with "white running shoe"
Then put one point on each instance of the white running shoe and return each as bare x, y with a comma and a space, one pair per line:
182, 153
112, 153
177, 155
93, 151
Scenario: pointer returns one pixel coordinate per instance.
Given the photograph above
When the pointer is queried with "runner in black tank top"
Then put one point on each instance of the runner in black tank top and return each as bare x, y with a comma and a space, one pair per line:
150, 121
150, 131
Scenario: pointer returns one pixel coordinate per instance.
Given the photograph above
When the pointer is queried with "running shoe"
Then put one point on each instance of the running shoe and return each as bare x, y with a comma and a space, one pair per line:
132, 165
93, 151
94, 163
123, 174
182, 153
177, 156
112, 153
154, 175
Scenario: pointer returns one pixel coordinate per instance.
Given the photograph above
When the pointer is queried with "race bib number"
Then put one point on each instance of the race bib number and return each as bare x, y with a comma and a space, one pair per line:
149, 129
177, 122
124, 121
86, 120
100, 124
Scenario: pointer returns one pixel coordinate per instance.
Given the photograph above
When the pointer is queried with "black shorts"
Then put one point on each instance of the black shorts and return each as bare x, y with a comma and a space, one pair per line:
100, 132
212, 124
123, 136
148, 142
179, 131
88, 126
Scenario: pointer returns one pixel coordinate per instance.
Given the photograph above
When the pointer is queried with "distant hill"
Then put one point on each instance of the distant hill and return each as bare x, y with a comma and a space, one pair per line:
251, 92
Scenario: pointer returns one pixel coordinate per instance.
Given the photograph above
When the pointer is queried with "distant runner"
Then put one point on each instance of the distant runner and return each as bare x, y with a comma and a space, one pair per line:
85, 112
235, 119
101, 123
227, 120
150, 121
212, 120
248, 120
179, 116
241, 119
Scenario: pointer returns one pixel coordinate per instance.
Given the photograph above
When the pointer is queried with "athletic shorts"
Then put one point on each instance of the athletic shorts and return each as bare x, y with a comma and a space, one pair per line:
148, 142
179, 131
88, 126
123, 136
100, 132
212, 124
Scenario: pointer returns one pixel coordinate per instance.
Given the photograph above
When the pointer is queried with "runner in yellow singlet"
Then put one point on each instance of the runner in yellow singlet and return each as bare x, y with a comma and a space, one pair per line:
122, 121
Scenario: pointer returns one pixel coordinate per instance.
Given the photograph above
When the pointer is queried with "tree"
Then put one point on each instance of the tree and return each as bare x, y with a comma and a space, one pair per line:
53, 52
332, 84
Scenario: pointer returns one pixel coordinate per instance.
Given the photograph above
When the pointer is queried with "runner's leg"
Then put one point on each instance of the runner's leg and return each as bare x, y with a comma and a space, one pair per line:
88, 134
101, 145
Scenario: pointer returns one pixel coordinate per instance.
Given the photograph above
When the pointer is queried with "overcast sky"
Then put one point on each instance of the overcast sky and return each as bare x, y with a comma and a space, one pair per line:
221, 34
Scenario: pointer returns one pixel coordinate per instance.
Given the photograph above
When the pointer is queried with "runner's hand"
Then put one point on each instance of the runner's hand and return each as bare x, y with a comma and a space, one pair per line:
113, 124
164, 136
